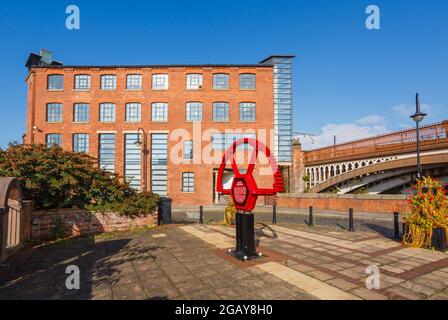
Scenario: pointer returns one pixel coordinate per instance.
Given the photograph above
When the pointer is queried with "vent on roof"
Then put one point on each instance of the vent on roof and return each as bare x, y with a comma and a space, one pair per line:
47, 56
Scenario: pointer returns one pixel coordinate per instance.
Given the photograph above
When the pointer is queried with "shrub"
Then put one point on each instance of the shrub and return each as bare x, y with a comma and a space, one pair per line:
54, 178
429, 210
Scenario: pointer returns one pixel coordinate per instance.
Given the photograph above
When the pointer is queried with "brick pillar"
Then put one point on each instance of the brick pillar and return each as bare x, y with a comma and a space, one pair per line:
298, 168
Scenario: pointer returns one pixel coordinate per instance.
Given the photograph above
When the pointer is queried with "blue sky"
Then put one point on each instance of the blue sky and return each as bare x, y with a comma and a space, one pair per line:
348, 81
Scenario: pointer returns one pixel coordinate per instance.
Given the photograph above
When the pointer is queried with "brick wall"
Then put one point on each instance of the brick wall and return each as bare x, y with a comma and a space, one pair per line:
79, 222
176, 96
331, 202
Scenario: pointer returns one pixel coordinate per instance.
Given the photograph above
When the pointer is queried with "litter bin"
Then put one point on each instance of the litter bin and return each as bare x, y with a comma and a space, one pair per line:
164, 212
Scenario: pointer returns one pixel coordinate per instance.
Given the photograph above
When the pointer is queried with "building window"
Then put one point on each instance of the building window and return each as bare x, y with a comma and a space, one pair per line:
82, 82
159, 112
132, 160
81, 112
54, 112
53, 139
194, 81
247, 81
247, 111
220, 111
134, 82
222, 141
133, 112
55, 82
194, 111
81, 142
159, 163
187, 182
106, 151
221, 81
108, 82
188, 149
107, 112
159, 81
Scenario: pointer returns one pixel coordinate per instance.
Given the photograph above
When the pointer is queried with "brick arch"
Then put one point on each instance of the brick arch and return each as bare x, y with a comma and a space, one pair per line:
9, 190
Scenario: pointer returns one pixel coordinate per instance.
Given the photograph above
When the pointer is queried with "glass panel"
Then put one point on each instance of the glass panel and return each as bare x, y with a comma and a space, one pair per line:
221, 81
194, 81
54, 112
55, 82
160, 81
247, 111
108, 82
53, 139
132, 160
134, 82
133, 112
247, 81
81, 142
194, 111
107, 112
160, 112
82, 82
159, 160
220, 111
81, 112
188, 182
107, 151
188, 150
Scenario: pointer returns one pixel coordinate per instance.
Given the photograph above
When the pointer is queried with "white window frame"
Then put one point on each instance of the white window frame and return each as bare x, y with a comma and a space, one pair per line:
194, 81
160, 81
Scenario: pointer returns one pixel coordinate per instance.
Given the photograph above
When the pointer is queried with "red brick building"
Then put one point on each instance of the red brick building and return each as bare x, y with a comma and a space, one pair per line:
150, 123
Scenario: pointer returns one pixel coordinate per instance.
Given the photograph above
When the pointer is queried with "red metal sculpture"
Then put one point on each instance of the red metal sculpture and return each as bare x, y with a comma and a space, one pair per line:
245, 192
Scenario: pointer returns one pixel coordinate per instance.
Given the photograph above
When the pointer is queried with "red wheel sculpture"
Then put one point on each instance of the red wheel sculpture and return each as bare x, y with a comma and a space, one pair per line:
244, 190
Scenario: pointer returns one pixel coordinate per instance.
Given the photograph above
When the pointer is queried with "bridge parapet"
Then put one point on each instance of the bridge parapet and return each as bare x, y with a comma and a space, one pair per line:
432, 136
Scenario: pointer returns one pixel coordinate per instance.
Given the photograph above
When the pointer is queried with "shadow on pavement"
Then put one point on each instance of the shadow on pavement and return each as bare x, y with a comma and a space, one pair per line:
40, 273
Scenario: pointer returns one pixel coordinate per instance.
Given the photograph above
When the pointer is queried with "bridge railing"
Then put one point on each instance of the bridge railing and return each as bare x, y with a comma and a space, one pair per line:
431, 137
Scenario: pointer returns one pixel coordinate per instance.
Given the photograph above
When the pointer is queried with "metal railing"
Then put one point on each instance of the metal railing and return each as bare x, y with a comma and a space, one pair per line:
432, 136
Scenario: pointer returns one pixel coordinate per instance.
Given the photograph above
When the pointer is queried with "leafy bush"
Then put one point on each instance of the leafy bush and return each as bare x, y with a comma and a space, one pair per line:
429, 210
54, 178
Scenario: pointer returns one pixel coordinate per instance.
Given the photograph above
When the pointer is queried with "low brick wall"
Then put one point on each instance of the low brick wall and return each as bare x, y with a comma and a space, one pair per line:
333, 202
78, 222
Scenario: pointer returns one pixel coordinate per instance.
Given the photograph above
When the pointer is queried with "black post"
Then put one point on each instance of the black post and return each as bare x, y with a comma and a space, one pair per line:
201, 215
274, 214
350, 220
396, 227
245, 236
311, 219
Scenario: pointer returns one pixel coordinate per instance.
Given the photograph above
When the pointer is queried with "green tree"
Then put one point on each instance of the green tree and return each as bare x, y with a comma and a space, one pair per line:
54, 178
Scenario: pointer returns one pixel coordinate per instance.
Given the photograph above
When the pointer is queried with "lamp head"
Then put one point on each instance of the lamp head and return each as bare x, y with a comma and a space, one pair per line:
418, 116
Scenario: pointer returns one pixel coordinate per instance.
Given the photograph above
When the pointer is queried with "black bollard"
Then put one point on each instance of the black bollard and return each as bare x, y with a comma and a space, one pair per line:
311, 218
274, 214
350, 220
201, 215
396, 227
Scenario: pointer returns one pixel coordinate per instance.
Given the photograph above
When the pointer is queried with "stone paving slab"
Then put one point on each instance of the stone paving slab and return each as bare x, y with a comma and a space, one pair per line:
190, 262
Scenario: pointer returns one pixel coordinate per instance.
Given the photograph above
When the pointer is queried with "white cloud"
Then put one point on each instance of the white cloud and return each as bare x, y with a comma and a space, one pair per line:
405, 110
359, 129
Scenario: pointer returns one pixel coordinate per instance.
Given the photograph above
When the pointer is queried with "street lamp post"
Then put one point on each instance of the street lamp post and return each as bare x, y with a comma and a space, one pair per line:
141, 141
418, 117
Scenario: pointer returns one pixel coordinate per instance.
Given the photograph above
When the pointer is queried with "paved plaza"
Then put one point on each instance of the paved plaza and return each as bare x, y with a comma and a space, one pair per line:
190, 261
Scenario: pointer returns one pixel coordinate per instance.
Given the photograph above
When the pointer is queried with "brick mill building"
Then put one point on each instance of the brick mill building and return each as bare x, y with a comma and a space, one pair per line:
134, 118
